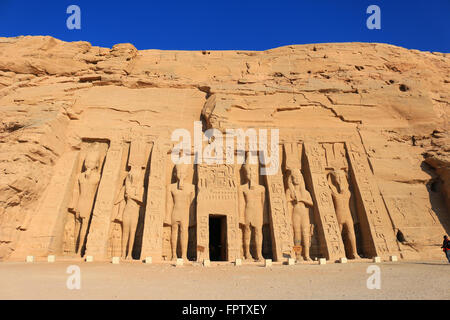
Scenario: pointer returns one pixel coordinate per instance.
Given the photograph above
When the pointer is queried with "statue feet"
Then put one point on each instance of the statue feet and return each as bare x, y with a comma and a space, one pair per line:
308, 258
355, 256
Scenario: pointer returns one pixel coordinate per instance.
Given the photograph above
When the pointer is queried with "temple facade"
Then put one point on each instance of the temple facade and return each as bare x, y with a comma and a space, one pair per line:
132, 193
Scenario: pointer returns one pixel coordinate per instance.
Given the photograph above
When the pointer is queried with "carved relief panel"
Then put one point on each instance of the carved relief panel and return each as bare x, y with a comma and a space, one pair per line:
127, 219
375, 223
89, 173
343, 196
326, 222
152, 242
98, 238
280, 219
217, 195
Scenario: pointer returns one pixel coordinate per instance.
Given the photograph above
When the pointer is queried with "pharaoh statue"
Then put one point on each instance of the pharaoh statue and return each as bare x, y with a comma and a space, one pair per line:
252, 198
129, 201
340, 193
180, 196
299, 201
84, 195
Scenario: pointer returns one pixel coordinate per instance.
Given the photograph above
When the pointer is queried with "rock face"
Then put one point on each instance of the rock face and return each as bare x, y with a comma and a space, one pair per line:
85, 146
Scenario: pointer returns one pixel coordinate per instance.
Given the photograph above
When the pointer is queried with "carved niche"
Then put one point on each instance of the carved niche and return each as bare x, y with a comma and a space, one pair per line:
127, 218
89, 173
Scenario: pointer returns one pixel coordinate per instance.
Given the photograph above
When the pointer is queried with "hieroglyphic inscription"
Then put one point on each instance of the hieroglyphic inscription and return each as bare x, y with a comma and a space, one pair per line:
279, 218
329, 233
97, 240
376, 219
217, 194
232, 234
335, 155
152, 242
202, 238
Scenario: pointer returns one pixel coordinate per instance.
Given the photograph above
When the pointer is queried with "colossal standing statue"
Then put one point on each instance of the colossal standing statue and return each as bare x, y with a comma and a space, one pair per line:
252, 198
180, 196
133, 193
299, 201
83, 197
341, 199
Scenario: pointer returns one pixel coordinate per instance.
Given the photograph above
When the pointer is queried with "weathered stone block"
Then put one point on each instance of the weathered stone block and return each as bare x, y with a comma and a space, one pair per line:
393, 258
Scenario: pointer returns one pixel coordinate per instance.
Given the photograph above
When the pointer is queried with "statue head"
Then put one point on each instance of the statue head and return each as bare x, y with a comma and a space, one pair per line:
181, 172
251, 173
297, 177
135, 172
92, 161
340, 177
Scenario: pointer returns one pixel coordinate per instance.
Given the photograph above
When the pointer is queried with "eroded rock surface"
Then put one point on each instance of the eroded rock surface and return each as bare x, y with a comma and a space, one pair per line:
56, 98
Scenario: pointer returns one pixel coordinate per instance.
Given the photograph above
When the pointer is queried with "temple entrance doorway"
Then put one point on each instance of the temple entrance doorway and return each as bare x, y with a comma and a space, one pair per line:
217, 238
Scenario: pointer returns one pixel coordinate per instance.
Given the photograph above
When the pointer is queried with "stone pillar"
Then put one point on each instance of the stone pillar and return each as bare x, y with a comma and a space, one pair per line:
331, 245
233, 244
376, 227
156, 205
280, 221
98, 236
202, 229
46, 231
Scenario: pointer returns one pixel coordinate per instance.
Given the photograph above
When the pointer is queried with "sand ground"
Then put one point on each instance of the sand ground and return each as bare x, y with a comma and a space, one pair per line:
135, 280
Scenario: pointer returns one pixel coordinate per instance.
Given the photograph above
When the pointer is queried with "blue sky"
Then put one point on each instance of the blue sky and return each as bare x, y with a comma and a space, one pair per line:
232, 24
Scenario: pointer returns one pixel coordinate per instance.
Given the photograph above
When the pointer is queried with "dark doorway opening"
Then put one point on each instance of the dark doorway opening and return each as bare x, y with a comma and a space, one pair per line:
217, 238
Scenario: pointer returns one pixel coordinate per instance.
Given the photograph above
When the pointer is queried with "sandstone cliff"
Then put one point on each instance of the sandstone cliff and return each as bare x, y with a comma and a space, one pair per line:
397, 100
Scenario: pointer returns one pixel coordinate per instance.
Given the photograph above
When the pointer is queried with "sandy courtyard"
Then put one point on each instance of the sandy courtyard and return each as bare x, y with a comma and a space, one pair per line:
399, 280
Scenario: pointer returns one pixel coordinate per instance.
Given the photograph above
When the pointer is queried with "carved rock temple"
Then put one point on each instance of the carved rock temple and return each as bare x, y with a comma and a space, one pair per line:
86, 147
